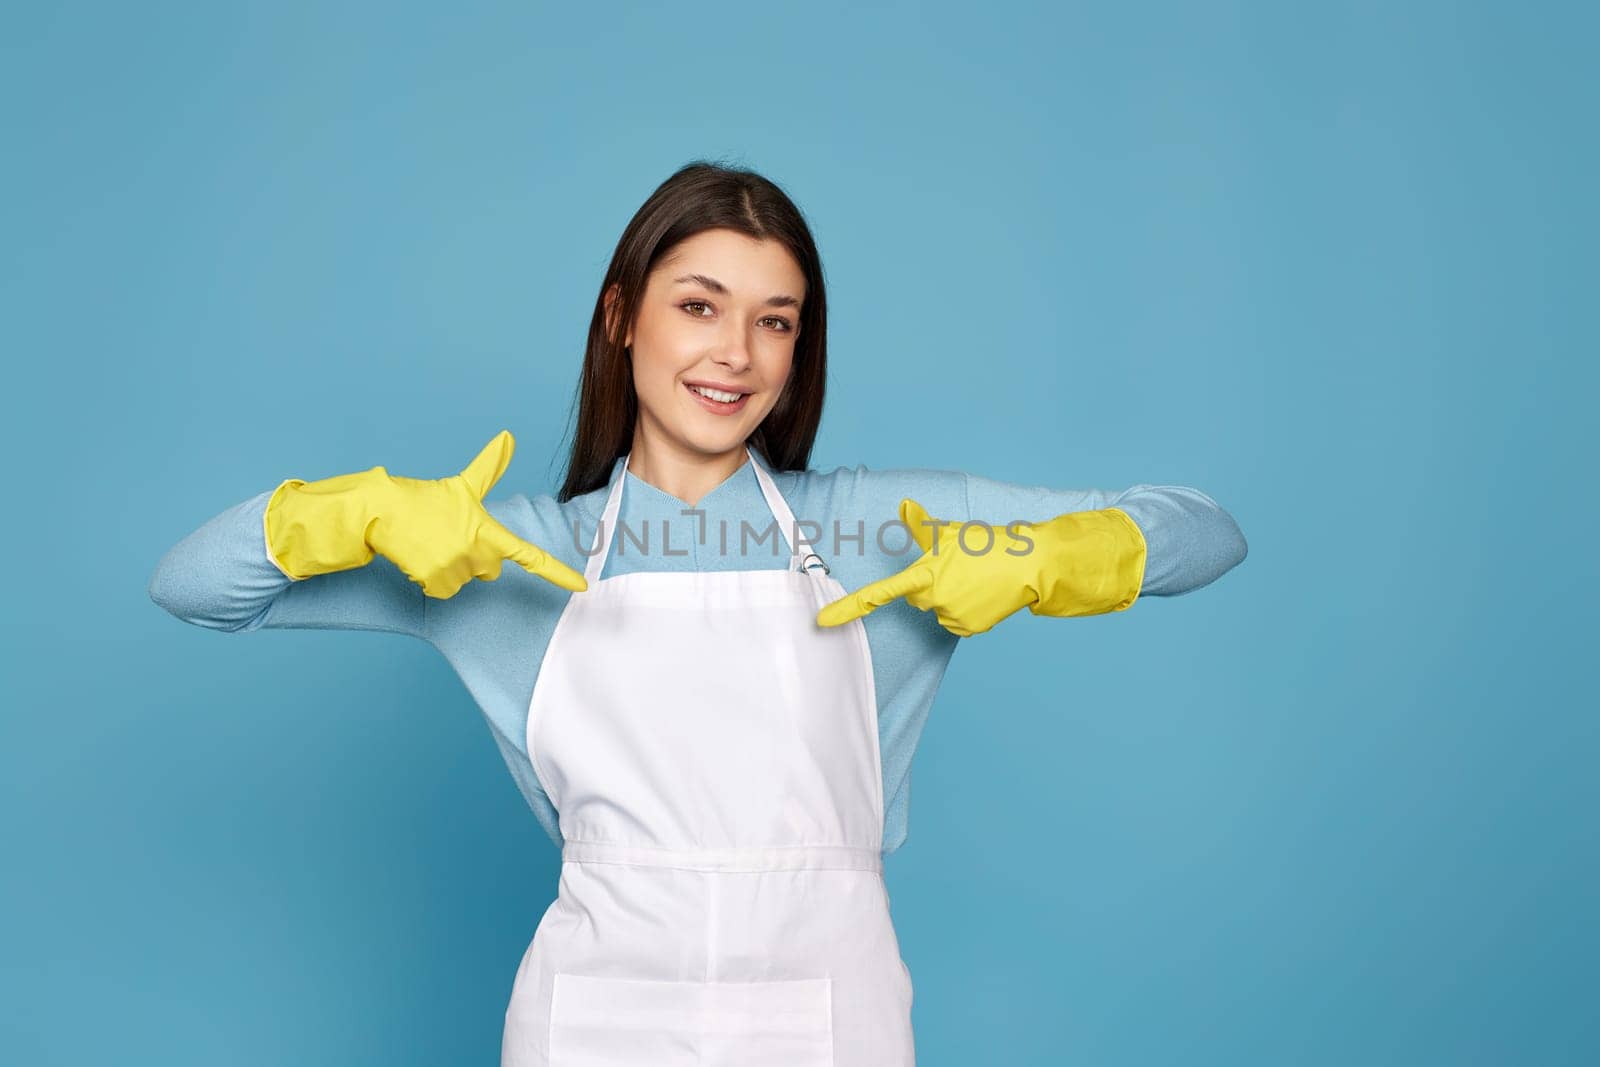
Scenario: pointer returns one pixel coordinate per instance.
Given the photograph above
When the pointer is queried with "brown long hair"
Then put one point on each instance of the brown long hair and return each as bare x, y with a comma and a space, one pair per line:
700, 195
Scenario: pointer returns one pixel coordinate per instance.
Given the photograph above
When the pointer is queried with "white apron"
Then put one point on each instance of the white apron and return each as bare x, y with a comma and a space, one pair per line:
713, 755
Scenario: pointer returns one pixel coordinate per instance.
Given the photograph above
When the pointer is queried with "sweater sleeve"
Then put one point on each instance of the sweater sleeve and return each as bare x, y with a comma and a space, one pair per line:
221, 577
1191, 541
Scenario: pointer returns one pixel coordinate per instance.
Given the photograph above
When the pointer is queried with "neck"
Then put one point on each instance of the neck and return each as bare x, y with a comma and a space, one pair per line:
687, 474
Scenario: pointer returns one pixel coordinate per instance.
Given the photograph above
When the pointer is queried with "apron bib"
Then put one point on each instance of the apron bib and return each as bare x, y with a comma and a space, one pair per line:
713, 757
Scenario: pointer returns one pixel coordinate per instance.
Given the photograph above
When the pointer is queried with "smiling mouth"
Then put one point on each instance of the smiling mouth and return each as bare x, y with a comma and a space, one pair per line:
710, 399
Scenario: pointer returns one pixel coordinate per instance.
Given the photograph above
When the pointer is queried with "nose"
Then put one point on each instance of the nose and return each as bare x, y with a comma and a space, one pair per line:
734, 351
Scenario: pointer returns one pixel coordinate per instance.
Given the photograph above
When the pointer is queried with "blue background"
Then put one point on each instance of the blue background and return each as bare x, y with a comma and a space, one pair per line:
1331, 264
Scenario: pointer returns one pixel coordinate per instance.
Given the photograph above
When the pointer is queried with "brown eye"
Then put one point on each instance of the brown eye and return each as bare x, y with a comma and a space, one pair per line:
783, 324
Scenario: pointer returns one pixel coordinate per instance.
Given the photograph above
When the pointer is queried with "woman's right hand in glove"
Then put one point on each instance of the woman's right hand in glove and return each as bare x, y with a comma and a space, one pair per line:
437, 532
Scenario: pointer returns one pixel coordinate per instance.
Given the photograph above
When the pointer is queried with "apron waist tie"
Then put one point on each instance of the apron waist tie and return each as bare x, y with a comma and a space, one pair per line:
769, 858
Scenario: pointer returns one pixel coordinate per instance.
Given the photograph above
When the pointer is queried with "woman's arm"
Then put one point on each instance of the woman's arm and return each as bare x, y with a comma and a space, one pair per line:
1082, 552
307, 554
221, 577
1191, 540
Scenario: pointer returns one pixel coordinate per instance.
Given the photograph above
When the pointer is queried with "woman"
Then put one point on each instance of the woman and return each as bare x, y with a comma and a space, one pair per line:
715, 730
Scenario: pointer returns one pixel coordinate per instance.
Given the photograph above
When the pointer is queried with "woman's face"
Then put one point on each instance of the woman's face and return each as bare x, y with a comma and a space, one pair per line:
719, 310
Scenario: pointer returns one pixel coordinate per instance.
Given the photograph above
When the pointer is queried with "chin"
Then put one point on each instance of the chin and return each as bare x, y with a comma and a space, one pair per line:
715, 444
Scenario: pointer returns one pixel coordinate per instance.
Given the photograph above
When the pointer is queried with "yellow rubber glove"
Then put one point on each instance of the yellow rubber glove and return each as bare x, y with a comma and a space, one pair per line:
1080, 563
437, 532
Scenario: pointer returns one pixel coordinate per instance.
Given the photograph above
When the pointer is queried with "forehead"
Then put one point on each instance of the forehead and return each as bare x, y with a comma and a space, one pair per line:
743, 264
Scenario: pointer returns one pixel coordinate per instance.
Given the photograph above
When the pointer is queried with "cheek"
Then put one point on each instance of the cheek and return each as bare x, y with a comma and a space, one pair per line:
664, 352
778, 382
782, 371
653, 366
648, 380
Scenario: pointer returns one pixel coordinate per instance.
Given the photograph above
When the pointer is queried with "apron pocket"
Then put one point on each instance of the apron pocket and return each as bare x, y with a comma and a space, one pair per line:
619, 1022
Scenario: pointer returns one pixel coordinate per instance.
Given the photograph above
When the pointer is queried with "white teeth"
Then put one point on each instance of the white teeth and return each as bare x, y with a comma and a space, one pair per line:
716, 394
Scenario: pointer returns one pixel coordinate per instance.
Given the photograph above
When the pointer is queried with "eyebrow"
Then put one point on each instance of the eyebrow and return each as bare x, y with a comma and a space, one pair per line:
782, 300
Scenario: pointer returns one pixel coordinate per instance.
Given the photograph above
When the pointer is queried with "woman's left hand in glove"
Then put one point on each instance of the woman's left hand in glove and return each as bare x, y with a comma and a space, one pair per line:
972, 575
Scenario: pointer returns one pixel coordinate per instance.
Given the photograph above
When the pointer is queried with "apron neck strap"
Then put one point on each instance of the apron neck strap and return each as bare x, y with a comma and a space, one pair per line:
600, 547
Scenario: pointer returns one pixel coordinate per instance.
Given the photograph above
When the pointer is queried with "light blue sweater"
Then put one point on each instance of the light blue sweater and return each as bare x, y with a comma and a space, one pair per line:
494, 633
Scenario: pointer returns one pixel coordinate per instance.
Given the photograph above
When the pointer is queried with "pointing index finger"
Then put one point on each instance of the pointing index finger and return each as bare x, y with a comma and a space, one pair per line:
875, 595
532, 558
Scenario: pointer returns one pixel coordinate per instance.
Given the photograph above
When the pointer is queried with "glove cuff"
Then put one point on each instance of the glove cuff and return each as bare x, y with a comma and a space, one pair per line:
1091, 563
320, 527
